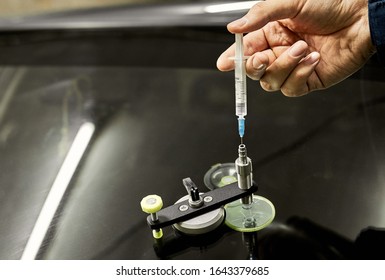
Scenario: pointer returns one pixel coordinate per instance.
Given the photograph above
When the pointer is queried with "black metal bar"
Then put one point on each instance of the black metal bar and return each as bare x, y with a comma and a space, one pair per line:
219, 197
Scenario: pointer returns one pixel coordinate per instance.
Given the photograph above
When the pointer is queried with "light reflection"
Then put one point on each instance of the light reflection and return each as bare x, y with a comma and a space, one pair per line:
230, 7
58, 189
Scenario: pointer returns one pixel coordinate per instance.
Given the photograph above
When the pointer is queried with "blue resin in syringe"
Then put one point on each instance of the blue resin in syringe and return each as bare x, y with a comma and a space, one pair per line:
240, 85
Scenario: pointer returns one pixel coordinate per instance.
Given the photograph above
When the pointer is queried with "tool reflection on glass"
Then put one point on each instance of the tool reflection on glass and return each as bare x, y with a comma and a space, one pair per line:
232, 203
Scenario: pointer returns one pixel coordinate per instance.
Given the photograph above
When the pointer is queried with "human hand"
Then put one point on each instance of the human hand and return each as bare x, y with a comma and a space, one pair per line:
298, 46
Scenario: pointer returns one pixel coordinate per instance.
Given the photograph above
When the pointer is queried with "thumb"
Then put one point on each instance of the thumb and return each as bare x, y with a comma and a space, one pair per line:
264, 12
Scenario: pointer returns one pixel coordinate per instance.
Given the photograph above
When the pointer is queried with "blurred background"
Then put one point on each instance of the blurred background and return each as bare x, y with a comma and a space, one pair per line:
9, 8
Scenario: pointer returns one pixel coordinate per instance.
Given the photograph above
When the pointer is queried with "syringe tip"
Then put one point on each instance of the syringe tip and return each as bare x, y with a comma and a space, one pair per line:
241, 127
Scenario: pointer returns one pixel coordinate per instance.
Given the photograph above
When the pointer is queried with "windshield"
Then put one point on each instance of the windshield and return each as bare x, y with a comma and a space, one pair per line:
16, 8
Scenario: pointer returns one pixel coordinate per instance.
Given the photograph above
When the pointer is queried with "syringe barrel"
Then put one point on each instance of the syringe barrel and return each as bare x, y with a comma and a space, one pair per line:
240, 96
240, 78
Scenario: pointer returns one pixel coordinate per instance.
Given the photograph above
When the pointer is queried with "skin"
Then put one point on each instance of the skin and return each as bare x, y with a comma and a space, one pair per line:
299, 46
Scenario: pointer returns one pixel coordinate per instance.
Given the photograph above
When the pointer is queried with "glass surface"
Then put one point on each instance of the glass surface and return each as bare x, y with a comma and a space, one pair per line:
318, 156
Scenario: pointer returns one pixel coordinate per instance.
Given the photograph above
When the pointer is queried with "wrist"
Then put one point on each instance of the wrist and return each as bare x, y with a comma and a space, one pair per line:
376, 17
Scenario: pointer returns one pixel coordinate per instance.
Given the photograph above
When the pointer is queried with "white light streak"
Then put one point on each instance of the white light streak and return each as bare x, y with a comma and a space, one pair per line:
57, 191
230, 7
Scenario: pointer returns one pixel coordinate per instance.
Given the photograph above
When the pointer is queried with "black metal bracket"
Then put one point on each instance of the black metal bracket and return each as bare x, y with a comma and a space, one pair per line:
212, 200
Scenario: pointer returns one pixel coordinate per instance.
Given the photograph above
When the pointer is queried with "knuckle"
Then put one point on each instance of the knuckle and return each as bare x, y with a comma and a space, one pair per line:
289, 92
301, 75
268, 85
258, 6
293, 92
255, 74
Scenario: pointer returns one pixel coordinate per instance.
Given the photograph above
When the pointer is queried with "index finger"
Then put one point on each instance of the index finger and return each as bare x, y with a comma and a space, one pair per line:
264, 12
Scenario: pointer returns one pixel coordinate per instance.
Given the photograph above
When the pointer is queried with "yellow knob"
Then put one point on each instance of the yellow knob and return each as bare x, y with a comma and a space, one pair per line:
157, 234
151, 203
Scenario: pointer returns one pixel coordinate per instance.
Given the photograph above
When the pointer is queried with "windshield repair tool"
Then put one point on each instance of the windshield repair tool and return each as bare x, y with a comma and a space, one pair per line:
250, 213
195, 213
198, 213
240, 85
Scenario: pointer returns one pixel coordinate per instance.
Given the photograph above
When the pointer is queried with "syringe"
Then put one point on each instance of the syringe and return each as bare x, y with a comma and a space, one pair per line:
240, 85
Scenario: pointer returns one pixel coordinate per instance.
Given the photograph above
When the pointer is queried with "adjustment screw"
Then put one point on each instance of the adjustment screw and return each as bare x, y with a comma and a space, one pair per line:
183, 208
208, 199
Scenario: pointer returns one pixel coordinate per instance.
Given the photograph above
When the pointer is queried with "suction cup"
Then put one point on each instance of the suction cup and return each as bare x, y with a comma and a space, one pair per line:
201, 224
220, 175
252, 217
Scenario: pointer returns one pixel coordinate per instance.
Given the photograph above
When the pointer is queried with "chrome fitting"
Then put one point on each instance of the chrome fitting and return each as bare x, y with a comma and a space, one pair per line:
244, 170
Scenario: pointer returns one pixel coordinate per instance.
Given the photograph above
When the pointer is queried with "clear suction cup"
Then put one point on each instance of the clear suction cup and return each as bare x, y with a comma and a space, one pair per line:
220, 175
250, 217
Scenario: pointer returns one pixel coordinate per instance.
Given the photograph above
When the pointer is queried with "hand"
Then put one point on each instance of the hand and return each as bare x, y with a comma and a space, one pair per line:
298, 46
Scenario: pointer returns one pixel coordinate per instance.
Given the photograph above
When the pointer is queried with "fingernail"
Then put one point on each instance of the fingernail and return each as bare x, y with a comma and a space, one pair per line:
238, 23
298, 49
312, 58
259, 72
259, 67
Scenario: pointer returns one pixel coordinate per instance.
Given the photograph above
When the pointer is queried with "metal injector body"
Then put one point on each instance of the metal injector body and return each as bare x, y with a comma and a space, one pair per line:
244, 170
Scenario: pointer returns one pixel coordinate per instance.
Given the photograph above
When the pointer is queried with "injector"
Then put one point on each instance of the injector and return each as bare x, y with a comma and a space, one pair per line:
244, 171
